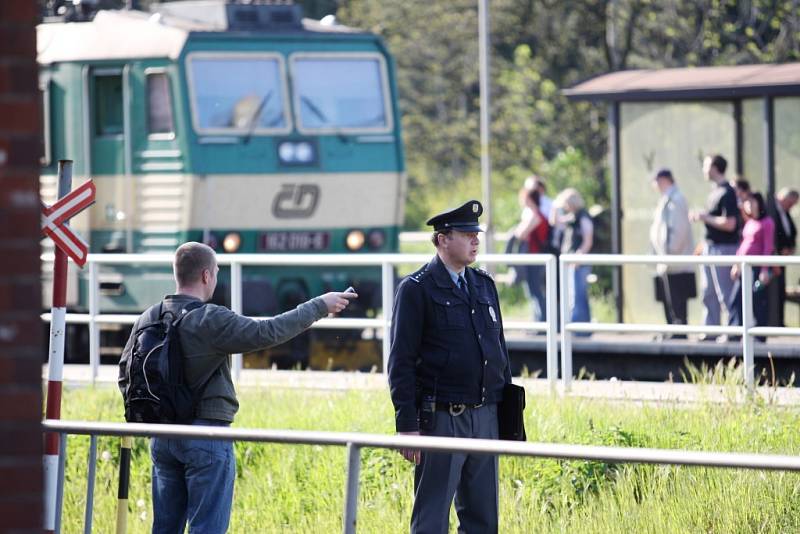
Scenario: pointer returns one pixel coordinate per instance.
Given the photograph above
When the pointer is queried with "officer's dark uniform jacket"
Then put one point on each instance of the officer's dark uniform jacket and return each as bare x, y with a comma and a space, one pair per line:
446, 343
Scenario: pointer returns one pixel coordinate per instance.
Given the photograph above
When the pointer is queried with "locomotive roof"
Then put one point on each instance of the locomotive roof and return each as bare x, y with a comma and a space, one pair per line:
128, 34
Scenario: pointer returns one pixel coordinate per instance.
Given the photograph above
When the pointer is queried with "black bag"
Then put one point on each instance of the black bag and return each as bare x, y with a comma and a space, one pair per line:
510, 413
682, 284
156, 391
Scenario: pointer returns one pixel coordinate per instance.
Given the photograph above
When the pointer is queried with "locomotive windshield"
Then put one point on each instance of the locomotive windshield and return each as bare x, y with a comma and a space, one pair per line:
244, 93
336, 92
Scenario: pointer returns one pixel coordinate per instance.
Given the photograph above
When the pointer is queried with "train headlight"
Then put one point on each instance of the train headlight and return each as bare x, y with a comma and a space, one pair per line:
231, 242
297, 153
355, 240
376, 239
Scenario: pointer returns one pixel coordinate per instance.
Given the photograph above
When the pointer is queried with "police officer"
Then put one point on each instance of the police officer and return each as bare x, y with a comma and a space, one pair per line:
447, 368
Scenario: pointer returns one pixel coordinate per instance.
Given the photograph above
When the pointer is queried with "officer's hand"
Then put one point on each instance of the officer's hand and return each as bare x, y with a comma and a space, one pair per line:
412, 455
336, 301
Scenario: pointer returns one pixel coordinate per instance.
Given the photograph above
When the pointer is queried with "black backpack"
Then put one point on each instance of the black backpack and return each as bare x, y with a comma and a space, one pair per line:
156, 391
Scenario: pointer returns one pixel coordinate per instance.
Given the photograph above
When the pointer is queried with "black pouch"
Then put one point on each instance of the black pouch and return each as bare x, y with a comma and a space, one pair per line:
427, 412
510, 413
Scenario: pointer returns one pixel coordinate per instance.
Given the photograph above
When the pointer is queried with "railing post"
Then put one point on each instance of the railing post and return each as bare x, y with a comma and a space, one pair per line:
236, 305
87, 517
552, 321
747, 323
387, 296
94, 334
566, 336
62, 460
351, 496
125, 445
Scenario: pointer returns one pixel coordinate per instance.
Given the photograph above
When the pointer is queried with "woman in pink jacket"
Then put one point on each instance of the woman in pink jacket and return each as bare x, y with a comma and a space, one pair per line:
758, 239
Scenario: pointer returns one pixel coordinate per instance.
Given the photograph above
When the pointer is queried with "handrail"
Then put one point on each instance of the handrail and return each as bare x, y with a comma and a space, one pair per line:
747, 330
388, 261
356, 441
432, 443
385, 261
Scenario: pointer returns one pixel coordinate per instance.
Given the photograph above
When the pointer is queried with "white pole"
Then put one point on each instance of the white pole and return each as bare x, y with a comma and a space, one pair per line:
552, 322
94, 333
236, 305
485, 117
387, 300
747, 323
566, 337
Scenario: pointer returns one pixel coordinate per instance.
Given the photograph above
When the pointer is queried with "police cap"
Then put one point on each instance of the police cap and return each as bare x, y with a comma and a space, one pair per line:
464, 218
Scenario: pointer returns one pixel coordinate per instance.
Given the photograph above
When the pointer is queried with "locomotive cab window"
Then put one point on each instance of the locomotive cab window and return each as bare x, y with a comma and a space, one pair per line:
340, 93
160, 122
108, 113
238, 93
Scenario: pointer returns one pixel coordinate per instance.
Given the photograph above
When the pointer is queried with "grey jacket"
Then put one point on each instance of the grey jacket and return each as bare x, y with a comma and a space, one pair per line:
671, 231
210, 334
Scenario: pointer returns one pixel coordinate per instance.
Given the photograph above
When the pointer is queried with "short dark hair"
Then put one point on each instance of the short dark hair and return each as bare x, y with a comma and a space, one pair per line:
533, 194
742, 184
437, 233
191, 259
665, 173
720, 163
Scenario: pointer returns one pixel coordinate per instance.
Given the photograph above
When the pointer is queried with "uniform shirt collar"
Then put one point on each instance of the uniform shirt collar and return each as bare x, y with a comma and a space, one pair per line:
454, 275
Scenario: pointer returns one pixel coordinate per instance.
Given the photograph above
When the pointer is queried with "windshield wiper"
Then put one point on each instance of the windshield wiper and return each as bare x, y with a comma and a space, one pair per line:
254, 119
337, 131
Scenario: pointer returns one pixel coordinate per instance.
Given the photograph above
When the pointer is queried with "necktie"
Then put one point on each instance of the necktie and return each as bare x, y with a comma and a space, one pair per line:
462, 285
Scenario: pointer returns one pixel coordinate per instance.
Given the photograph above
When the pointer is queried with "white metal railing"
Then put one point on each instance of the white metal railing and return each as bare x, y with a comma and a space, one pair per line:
386, 261
747, 330
356, 441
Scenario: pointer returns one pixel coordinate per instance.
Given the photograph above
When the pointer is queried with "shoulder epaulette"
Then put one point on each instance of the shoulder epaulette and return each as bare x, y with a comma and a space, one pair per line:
483, 273
419, 275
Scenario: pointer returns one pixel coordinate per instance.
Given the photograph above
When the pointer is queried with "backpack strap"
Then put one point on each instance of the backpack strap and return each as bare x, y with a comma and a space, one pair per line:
193, 305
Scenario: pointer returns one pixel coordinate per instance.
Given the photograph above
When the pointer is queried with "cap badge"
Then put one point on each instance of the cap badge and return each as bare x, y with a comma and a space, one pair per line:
475, 207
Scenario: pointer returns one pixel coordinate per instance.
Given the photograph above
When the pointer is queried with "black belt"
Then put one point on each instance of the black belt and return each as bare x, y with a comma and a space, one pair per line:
455, 408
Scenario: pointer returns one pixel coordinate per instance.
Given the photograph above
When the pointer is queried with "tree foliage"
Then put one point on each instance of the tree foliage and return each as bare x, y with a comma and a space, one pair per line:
538, 48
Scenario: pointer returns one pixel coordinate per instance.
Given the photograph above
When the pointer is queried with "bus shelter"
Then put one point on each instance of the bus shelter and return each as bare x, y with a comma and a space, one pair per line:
673, 118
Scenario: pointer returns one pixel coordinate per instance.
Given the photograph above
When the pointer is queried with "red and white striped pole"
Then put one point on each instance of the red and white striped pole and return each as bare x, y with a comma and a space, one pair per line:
56, 361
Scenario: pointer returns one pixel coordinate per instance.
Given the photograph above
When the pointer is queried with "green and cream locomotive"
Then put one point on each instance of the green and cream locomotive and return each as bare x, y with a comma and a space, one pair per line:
243, 126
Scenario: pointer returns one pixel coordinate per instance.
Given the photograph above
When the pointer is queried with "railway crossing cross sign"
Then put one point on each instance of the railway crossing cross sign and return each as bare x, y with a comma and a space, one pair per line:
55, 217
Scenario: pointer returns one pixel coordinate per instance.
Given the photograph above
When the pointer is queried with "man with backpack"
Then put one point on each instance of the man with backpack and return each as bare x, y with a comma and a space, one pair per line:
192, 478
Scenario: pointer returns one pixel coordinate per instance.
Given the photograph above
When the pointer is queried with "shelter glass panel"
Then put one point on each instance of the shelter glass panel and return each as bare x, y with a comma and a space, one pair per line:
787, 174
237, 93
328, 99
655, 135
753, 143
159, 104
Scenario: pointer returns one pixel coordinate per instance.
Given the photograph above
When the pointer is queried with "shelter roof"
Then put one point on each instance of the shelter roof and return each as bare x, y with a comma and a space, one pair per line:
691, 83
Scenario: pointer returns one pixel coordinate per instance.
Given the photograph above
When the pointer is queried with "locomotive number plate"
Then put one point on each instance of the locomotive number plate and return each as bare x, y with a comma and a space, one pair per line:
294, 241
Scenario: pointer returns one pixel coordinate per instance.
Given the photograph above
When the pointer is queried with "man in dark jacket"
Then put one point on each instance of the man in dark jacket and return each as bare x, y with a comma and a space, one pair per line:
785, 245
447, 368
193, 478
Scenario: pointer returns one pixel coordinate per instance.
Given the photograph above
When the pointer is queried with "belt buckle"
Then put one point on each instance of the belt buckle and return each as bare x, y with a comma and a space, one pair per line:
457, 409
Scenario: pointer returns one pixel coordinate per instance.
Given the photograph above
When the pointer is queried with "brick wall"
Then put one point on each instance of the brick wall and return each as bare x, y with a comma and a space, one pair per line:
21, 350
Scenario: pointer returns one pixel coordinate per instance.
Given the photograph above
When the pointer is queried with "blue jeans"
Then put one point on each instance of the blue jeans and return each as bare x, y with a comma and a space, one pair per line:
192, 481
579, 294
534, 277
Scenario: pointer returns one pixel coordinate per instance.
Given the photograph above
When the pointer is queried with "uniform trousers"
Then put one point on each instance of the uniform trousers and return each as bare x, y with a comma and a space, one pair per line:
471, 478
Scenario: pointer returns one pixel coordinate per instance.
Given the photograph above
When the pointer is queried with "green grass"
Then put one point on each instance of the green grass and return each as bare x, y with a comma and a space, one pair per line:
294, 489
